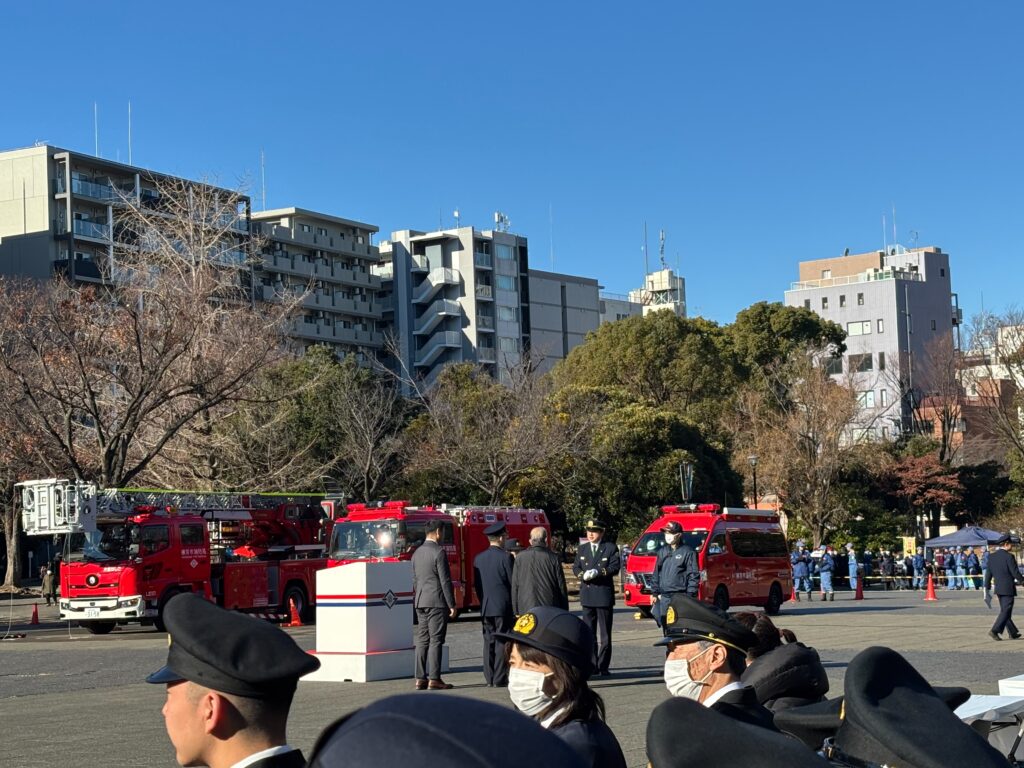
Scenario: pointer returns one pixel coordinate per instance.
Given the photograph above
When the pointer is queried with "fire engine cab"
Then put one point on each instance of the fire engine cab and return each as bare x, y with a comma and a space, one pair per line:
127, 551
393, 530
741, 553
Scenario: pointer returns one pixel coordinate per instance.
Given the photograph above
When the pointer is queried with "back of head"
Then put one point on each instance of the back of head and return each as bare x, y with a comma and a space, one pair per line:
440, 731
768, 635
538, 537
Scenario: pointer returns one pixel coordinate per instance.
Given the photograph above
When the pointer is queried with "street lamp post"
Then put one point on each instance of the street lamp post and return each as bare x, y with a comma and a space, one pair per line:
753, 465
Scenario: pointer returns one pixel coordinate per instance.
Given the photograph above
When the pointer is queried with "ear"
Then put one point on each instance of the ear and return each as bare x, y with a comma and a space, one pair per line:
717, 658
211, 710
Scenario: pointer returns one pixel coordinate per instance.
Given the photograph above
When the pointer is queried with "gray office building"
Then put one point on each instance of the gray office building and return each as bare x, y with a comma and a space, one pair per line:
563, 310
896, 307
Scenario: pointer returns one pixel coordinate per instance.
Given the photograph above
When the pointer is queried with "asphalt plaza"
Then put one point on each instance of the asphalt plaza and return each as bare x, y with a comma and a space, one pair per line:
68, 698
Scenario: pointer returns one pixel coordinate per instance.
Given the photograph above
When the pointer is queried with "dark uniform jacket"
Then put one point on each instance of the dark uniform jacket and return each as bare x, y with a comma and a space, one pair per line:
431, 577
1002, 568
741, 704
293, 759
538, 579
675, 571
594, 742
492, 580
599, 592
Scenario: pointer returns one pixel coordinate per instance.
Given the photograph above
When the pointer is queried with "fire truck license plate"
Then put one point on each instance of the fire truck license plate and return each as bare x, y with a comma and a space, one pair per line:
92, 613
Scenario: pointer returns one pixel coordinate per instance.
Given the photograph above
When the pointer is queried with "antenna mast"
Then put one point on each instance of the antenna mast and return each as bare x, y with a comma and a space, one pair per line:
96, 126
661, 248
263, 178
129, 131
646, 266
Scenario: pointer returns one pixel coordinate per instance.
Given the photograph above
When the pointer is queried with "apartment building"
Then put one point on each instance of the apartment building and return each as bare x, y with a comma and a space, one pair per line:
57, 212
456, 295
563, 310
899, 312
662, 290
333, 259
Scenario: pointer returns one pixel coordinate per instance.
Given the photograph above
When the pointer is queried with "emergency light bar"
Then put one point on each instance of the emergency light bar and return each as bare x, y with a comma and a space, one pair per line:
675, 509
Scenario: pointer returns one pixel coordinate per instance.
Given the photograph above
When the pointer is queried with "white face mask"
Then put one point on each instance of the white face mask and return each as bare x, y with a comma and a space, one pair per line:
526, 689
678, 680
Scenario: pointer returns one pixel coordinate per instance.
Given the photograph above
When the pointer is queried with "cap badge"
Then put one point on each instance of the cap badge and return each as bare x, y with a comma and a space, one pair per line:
525, 624
670, 615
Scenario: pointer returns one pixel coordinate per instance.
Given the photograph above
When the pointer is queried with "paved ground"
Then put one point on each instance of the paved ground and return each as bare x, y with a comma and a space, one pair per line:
67, 698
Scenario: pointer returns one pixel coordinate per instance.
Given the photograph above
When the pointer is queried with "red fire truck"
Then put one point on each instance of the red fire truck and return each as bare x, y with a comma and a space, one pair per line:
392, 531
127, 551
742, 555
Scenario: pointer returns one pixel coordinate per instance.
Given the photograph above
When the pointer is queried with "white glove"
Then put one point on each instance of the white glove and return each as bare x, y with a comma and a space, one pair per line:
588, 575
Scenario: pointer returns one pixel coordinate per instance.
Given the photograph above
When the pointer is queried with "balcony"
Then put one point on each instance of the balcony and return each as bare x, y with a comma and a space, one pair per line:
485, 292
436, 346
486, 354
958, 316
889, 273
84, 269
93, 229
103, 192
435, 281
435, 314
483, 260
485, 323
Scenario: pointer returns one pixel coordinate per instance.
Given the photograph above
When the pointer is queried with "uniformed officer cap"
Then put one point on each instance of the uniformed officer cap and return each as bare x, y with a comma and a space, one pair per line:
1002, 539
513, 545
594, 524
441, 731
687, 620
556, 632
723, 741
229, 652
672, 526
495, 530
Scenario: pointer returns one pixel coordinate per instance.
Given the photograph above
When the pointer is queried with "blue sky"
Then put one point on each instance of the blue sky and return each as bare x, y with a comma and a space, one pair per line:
757, 134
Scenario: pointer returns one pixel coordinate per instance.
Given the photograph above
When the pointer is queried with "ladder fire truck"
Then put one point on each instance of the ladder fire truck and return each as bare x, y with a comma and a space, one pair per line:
128, 551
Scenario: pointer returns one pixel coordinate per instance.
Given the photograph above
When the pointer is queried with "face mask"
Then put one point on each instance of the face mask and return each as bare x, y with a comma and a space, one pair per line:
678, 680
526, 689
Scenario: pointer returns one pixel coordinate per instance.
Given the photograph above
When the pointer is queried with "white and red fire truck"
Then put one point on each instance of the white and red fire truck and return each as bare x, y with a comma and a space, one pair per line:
392, 531
128, 551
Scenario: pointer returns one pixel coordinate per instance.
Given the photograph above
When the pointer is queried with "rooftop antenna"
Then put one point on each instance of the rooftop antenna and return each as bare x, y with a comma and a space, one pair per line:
96, 126
661, 248
263, 178
885, 245
647, 268
456, 218
551, 234
895, 240
501, 222
129, 131
913, 238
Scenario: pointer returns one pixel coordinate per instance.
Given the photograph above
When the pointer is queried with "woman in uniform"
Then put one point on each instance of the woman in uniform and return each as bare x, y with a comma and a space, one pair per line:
550, 659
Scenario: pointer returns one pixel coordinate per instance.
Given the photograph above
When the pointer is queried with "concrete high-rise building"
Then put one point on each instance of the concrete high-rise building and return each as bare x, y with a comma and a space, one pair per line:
662, 290
57, 211
563, 310
617, 306
456, 295
898, 311
333, 259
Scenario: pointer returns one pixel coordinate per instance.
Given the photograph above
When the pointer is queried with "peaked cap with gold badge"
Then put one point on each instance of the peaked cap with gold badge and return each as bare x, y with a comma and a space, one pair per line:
687, 620
556, 632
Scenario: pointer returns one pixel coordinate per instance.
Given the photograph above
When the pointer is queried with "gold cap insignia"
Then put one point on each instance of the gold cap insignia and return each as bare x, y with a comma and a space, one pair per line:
670, 615
525, 624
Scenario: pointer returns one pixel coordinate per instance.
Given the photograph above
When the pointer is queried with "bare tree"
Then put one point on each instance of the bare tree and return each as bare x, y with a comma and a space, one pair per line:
109, 375
994, 377
939, 412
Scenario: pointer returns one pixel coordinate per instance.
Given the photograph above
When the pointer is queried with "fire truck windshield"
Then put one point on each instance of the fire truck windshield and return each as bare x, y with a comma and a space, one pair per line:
650, 543
117, 541
373, 538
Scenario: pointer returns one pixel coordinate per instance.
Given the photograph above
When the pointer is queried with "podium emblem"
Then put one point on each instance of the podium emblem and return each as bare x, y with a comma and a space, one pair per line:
390, 599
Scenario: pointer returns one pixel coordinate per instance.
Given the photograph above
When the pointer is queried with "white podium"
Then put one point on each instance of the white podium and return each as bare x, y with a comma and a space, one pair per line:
364, 623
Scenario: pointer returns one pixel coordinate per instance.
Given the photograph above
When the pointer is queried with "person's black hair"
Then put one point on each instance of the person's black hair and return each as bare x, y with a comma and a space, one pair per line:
571, 692
769, 637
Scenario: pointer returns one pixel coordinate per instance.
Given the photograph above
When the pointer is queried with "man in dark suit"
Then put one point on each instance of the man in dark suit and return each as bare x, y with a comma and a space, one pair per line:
492, 580
538, 578
230, 681
1003, 570
434, 602
706, 656
595, 565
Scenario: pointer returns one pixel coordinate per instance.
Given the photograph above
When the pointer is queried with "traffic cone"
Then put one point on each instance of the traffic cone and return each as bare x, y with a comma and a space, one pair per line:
794, 597
35, 614
930, 594
860, 589
296, 620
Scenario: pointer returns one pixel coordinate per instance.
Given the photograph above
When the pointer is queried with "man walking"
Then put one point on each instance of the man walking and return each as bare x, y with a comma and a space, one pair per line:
675, 571
492, 580
596, 564
826, 566
434, 603
47, 589
1003, 570
538, 578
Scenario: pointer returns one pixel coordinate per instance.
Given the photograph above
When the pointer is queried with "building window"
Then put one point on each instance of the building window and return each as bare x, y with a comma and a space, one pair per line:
505, 282
504, 251
883, 398
305, 228
881, 326
842, 299
824, 302
834, 366
942, 272
881, 361
860, 299
509, 314
866, 399
321, 231
859, 328
933, 325
860, 363
508, 345
807, 303
826, 274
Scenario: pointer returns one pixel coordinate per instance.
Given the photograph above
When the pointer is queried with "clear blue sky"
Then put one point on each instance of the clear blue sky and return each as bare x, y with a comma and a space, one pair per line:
757, 134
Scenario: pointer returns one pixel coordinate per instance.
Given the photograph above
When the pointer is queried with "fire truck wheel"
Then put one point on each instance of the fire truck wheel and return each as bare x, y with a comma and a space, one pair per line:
722, 598
96, 627
158, 622
774, 604
298, 594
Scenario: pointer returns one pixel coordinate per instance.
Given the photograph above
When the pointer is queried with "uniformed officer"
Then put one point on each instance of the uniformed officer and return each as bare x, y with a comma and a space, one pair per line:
230, 681
1003, 570
707, 653
596, 564
675, 570
492, 580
